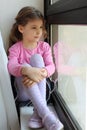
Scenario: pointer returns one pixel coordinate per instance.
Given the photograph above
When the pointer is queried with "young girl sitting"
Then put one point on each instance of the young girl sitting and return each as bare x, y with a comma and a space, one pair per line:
30, 61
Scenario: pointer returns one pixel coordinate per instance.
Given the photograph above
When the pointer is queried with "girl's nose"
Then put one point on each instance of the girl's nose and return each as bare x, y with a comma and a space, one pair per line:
38, 31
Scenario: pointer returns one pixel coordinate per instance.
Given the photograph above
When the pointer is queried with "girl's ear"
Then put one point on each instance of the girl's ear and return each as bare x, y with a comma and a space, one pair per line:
20, 28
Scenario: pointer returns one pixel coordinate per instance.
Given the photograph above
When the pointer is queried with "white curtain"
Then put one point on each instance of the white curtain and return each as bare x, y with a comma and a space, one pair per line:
8, 113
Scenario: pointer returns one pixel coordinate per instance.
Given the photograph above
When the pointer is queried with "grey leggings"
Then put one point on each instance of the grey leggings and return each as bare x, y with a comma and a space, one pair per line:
35, 61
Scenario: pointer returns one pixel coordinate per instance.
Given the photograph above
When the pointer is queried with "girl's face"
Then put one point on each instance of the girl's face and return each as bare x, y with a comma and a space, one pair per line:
32, 31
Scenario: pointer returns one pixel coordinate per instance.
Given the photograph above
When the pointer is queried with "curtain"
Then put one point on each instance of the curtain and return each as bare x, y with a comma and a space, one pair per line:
8, 113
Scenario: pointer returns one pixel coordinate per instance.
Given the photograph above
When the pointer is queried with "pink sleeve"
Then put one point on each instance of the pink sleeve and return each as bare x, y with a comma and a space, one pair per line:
14, 67
49, 65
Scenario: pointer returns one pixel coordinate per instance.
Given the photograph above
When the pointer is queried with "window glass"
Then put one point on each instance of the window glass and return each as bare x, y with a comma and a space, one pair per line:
69, 43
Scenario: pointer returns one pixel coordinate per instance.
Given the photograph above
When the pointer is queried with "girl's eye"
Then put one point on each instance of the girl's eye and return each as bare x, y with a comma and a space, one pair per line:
41, 27
33, 27
37, 28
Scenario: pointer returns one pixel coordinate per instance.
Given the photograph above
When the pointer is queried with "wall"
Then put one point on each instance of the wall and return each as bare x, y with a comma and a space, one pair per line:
9, 10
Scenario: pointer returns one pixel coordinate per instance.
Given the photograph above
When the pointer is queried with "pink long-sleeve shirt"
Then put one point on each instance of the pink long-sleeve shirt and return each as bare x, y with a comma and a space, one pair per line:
18, 55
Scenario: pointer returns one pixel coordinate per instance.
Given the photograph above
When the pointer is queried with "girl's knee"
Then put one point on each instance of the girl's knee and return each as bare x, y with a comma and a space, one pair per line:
37, 61
36, 56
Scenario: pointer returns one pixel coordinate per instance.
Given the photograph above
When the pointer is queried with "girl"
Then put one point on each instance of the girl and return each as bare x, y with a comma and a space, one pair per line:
30, 61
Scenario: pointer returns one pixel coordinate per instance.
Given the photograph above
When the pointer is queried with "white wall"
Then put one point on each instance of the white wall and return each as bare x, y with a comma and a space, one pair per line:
9, 10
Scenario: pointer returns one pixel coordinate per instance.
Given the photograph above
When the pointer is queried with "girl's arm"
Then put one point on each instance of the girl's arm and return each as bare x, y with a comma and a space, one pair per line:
33, 73
17, 69
48, 59
14, 67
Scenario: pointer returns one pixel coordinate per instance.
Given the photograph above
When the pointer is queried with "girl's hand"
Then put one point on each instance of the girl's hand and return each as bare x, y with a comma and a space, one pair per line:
27, 82
44, 72
35, 74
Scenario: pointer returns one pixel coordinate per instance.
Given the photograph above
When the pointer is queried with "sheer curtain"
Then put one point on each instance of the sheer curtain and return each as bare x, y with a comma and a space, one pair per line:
8, 113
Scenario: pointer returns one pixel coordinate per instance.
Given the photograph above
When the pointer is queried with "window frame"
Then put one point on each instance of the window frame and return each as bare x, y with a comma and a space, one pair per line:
73, 12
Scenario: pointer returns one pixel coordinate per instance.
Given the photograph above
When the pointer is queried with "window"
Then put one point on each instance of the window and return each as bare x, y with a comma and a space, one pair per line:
68, 37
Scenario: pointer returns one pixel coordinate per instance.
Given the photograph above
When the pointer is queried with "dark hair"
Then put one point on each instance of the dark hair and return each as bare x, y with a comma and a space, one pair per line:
25, 15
